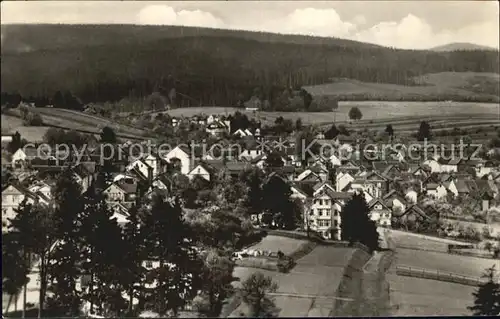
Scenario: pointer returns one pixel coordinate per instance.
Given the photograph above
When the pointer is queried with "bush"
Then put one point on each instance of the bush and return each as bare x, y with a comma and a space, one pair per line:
285, 264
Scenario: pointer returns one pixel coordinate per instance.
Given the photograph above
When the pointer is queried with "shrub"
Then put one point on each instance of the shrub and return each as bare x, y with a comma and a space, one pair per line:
285, 264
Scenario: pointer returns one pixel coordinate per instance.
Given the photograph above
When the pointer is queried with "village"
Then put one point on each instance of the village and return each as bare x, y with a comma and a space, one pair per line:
399, 191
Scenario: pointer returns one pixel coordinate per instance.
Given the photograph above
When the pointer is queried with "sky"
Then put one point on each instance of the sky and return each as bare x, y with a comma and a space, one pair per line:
400, 24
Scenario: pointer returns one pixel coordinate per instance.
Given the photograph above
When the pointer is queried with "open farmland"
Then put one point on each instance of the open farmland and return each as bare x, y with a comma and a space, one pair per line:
82, 122
422, 297
275, 243
455, 85
444, 262
11, 124
309, 288
381, 113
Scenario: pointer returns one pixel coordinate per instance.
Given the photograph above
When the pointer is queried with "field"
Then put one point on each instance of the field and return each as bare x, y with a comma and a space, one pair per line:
401, 115
422, 297
453, 84
310, 285
11, 124
79, 121
274, 243
444, 262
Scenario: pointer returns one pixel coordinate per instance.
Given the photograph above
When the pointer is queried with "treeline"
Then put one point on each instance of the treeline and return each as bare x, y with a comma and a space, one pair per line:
218, 70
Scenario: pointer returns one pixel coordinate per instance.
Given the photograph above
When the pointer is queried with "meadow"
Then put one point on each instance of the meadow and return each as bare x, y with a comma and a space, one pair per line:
309, 285
421, 297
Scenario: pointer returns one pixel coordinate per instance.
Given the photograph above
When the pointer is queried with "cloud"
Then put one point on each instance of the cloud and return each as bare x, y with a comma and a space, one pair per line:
411, 32
415, 33
165, 15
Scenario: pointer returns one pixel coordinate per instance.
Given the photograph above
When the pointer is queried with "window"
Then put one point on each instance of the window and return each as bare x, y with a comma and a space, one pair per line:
149, 264
327, 211
335, 223
320, 212
327, 202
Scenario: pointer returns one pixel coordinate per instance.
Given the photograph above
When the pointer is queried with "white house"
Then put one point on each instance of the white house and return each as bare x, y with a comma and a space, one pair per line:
411, 195
433, 165
380, 213
200, 170
124, 191
343, 179
143, 167
250, 154
183, 156
394, 201
437, 191
12, 197
451, 165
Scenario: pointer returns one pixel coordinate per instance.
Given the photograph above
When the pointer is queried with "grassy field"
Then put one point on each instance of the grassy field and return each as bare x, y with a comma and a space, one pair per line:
444, 262
435, 84
422, 297
11, 124
316, 274
395, 113
74, 120
274, 243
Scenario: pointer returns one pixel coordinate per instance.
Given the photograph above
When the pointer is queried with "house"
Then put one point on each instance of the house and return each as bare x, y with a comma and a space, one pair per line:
242, 133
12, 196
202, 170
373, 183
411, 195
23, 156
324, 213
342, 180
380, 213
418, 171
451, 187
250, 154
123, 191
180, 157
451, 165
83, 176
120, 213
217, 128
413, 214
145, 170
41, 188
434, 165
395, 201
308, 176
437, 191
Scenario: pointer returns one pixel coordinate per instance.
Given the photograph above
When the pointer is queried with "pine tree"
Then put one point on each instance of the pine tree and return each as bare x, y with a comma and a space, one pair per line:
66, 261
32, 226
356, 225
169, 240
102, 241
132, 272
487, 296
14, 267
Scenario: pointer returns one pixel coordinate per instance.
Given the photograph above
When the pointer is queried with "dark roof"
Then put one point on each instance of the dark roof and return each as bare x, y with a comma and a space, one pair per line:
128, 187
339, 195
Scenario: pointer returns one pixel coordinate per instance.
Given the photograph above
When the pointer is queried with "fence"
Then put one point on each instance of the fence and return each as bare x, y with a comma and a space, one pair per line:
438, 275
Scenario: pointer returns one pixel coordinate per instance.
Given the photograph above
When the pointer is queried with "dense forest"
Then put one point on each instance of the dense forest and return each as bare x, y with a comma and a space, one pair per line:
203, 66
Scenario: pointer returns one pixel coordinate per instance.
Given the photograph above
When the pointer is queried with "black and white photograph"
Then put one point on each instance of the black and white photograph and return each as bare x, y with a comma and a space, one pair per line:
223, 159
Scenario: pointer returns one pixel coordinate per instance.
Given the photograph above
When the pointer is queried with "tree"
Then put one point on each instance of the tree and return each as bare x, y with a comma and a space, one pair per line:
169, 240
32, 226
424, 131
355, 113
103, 257
276, 203
217, 277
332, 132
389, 130
132, 272
65, 268
356, 225
108, 136
253, 178
254, 294
14, 267
298, 124
487, 296
16, 143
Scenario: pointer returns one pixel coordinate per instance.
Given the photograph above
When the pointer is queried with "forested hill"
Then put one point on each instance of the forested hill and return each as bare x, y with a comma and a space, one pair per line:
212, 67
